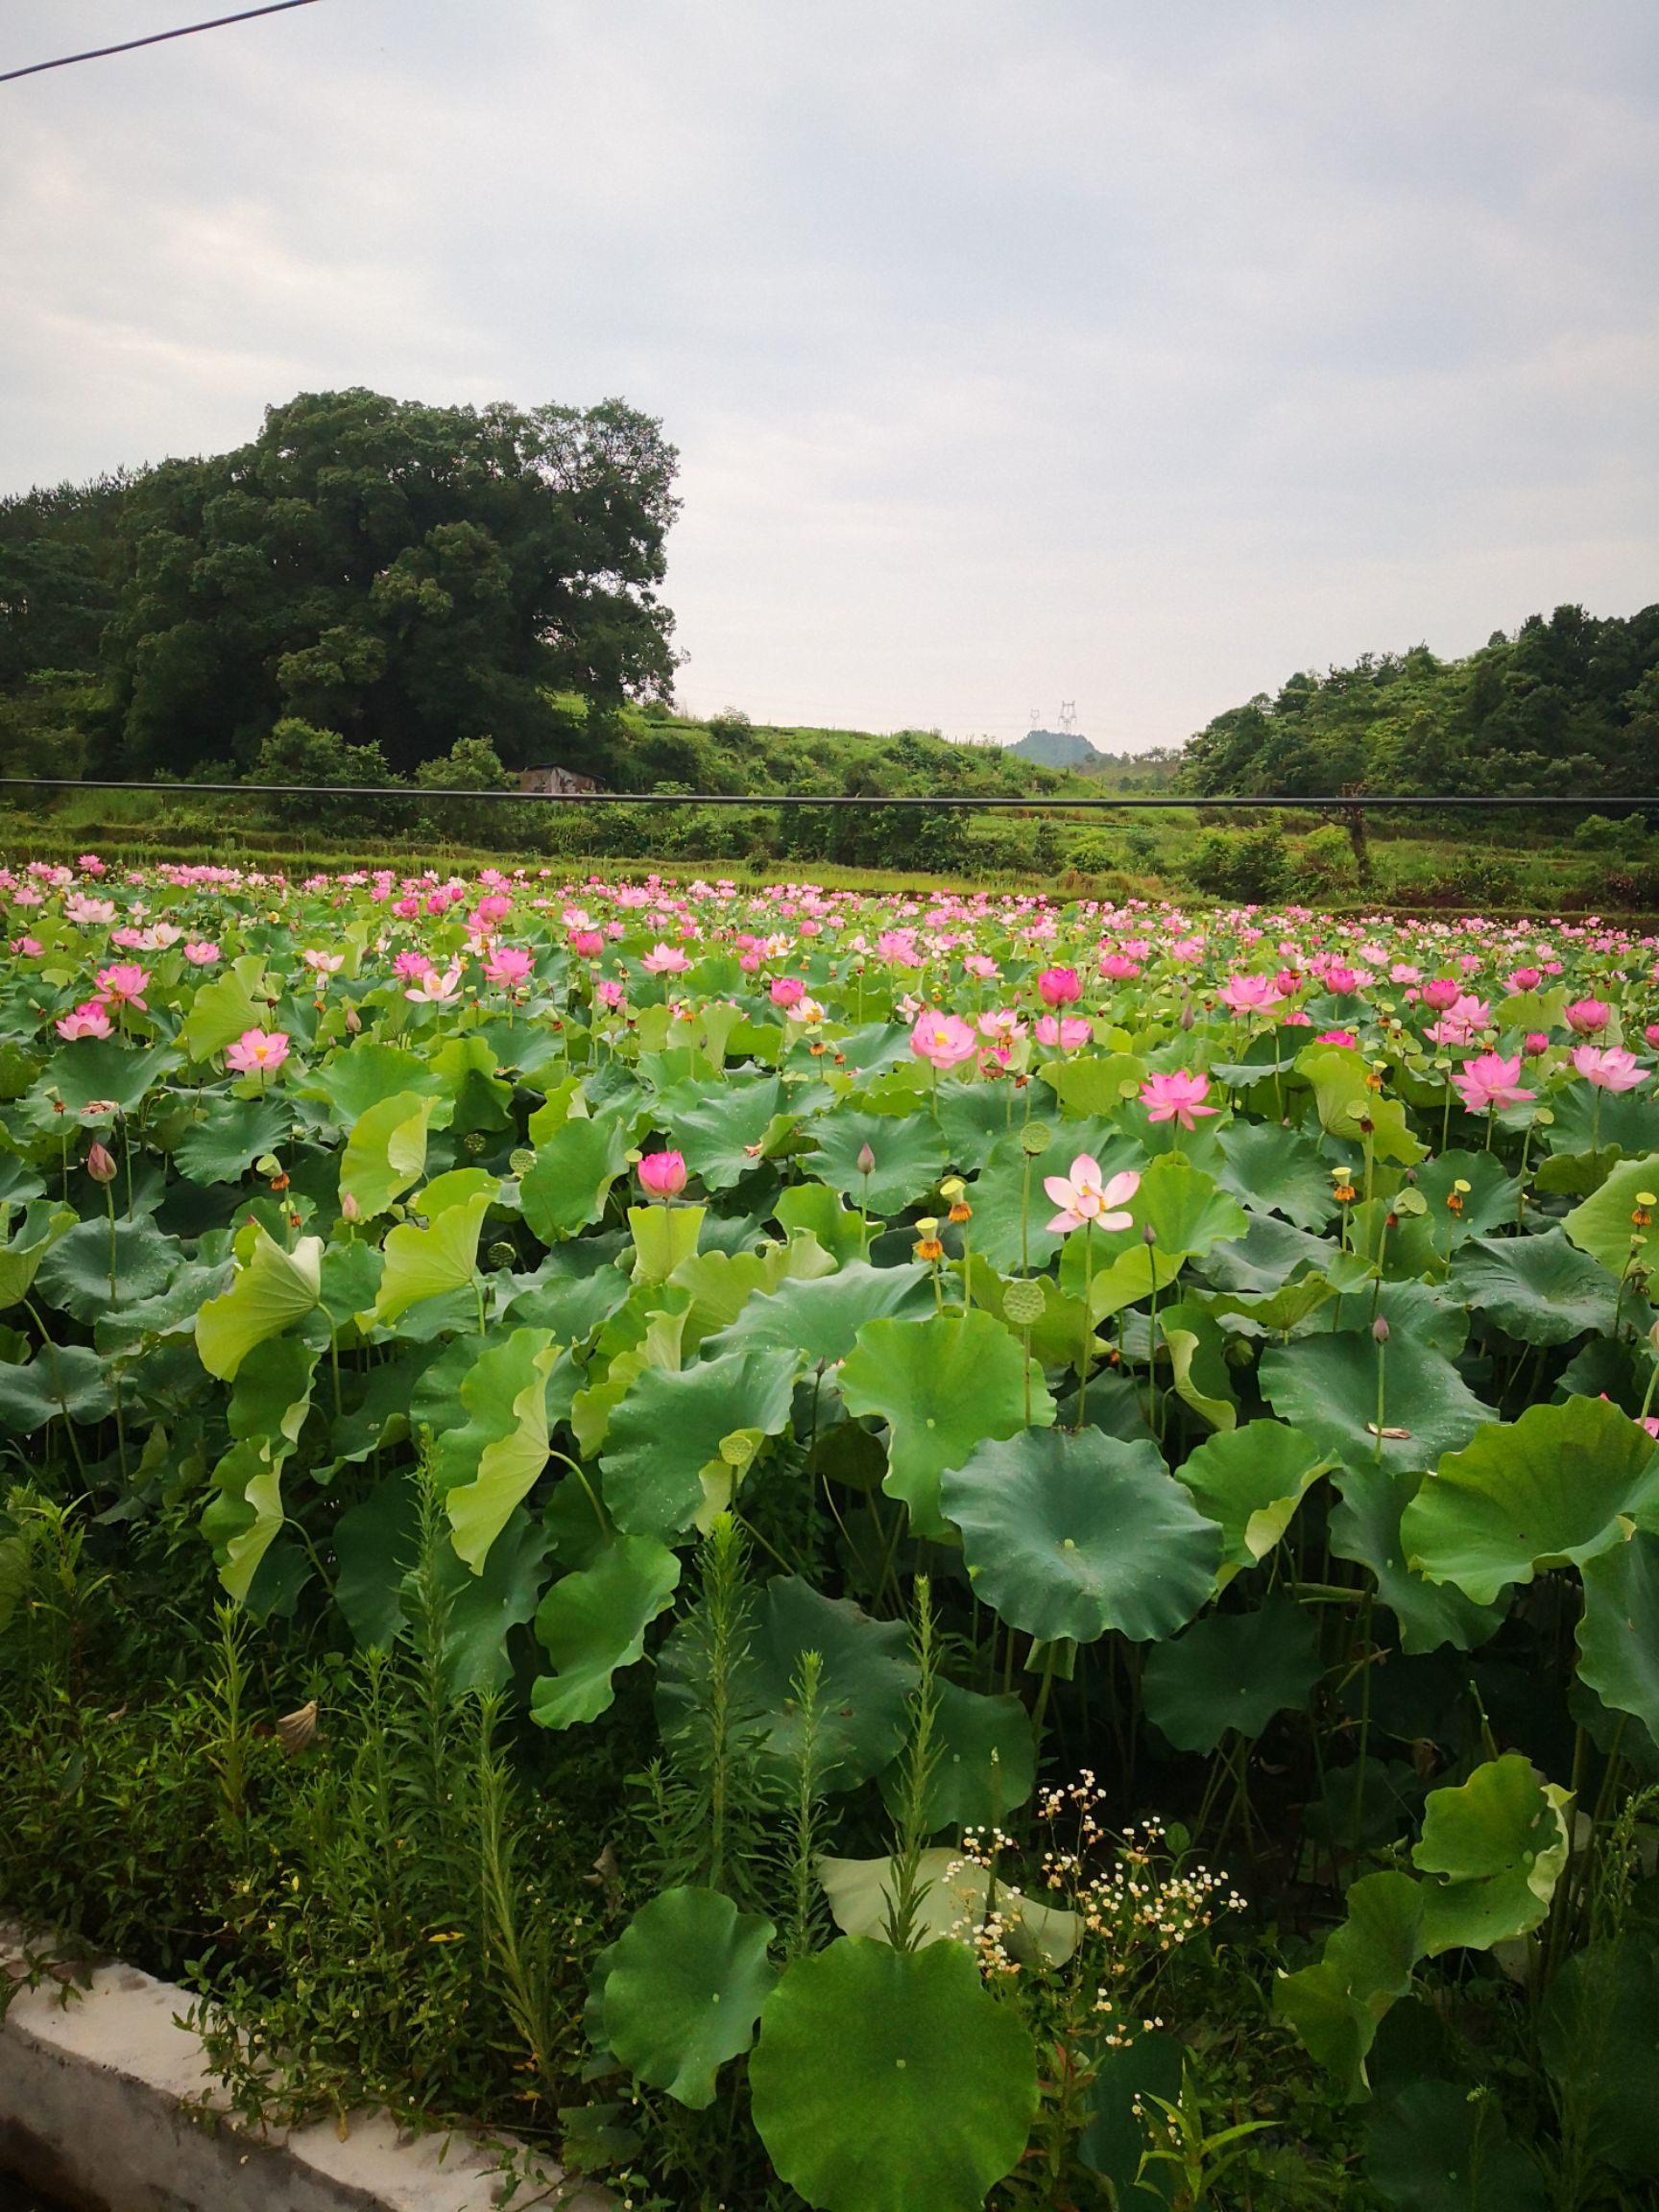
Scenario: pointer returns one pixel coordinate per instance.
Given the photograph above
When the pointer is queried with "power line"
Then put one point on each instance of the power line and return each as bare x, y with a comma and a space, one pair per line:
156, 38
1032, 803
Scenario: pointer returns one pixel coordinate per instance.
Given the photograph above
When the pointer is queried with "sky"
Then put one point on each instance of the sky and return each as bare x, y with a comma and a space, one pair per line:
1016, 350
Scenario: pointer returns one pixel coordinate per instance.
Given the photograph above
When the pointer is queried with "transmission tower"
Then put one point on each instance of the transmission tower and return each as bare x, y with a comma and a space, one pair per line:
1069, 715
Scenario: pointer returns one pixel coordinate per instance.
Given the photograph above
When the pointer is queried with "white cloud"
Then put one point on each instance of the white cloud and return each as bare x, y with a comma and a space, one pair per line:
1135, 354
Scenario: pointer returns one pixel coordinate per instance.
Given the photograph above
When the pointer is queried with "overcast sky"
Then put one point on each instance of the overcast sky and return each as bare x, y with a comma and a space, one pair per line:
1017, 350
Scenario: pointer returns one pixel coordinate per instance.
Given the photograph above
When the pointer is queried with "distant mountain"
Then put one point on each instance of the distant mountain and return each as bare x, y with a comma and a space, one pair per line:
1056, 749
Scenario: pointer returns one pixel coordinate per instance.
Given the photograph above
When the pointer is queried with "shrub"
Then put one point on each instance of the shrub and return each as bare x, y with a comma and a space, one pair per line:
1248, 865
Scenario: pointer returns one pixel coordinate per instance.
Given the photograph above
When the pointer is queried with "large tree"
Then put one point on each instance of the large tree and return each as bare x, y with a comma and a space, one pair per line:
405, 575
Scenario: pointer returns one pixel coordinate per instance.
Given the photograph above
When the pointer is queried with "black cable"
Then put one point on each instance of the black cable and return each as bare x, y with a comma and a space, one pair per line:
420, 794
156, 38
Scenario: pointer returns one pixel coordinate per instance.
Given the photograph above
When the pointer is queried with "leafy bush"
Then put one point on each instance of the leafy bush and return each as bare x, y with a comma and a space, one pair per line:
1250, 866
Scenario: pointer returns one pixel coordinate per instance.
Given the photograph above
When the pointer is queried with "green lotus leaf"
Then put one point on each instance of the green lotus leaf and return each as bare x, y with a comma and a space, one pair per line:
477, 1097
1336, 2005
665, 1237
1601, 1225
271, 1291
1618, 1629
1538, 1288
228, 1136
566, 1188
1269, 1256
1498, 1844
1340, 1077
1438, 2147
1487, 1204
1328, 1386
594, 1622
490, 1462
376, 1544
1250, 1481
367, 1072
1548, 1490
172, 1313
101, 1067
956, 1896
1596, 2036
385, 1153
267, 1412
891, 2080
1365, 1528
725, 1285
867, 1681
1069, 1536
1114, 2144
1188, 1214
1056, 1334
1232, 1672
431, 1258
227, 1008
67, 1379
823, 1316
986, 1764
1196, 1346
715, 1131
664, 1469
811, 1207
942, 1384
977, 1117
1273, 1169
688, 1976
39, 1229
910, 1155
76, 1272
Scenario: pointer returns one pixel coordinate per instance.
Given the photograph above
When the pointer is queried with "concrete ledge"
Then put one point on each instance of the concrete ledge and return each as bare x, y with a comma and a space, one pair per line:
100, 2094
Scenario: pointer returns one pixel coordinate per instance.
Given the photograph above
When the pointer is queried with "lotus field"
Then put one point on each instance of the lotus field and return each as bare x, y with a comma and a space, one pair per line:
1106, 1454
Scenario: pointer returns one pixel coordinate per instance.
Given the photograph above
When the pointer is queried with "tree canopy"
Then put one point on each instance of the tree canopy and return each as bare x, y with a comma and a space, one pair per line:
406, 576
1567, 706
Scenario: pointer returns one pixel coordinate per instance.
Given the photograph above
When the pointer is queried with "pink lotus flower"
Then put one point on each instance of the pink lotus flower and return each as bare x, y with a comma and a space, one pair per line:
981, 966
587, 944
1441, 991
943, 1040
1067, 1031
1177, 1097
1082, 1198
1343, 982
1335, 1037
434, 988
89, 913
1247, 993
1651, 1035
1002, 1026
410, 967
25, 948
1608, 1068
89, 1020
1491, 1083
787, 991
1118, 968
664, 960
611, 994
663, 1174
201, 953
89, 864
509, 966
257, 1052
323, 963
1525, 978
1589, 1017
1059, 987
1535, 1043
125, 985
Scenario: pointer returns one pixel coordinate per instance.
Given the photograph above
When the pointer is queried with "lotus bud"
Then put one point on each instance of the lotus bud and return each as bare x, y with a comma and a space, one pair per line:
663, 1174
1380, 1330
100, 1165
1148, 1235
354, 1020
349, 1210
866, 1160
